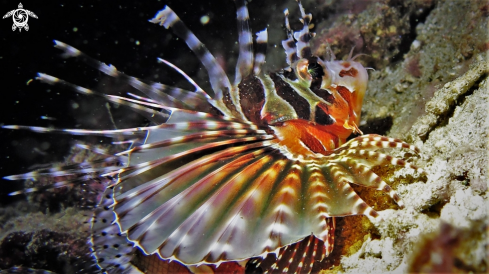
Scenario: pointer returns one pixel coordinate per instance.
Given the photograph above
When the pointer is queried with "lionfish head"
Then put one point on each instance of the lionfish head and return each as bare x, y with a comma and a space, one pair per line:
262, 167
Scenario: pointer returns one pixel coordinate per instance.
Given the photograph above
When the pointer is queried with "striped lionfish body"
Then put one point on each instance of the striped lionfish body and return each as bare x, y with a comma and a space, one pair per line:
261, 167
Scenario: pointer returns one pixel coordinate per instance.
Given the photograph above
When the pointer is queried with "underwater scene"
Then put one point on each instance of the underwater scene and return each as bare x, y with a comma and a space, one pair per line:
272, 136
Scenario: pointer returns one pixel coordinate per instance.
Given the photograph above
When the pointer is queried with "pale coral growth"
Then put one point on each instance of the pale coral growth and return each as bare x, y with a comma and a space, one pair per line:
412, 66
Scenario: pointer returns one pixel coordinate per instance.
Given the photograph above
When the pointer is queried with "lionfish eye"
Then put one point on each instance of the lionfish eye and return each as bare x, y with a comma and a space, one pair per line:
316, 70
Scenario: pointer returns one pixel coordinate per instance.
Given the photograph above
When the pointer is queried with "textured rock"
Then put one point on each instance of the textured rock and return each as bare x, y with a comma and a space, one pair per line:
443, 111
455, 194
56, 242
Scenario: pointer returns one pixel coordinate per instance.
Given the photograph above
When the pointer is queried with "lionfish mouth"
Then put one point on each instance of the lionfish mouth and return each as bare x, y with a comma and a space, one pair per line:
262, 167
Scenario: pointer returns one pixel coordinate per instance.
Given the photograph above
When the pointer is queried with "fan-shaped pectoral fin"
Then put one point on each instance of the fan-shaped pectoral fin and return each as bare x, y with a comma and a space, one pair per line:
364, 176
210, 215
340, 199
298, 257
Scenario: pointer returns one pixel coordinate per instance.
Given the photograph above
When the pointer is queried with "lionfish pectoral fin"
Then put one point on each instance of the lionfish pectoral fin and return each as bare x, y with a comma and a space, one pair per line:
151, 114
217, 77
217, 196
190, 196
107, 163
370, 142
153, 90
71, 174
298, 257
197, 100
352, 163
364, 176
332, 194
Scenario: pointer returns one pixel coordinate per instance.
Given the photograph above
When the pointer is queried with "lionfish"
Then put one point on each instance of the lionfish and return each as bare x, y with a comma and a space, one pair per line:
261, 167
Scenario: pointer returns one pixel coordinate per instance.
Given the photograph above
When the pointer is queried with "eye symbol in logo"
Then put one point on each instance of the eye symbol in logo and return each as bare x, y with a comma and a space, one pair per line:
20, 17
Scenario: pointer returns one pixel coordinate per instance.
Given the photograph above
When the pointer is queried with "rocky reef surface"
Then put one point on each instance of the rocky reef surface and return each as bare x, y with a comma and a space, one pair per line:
429, 87
436, 97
